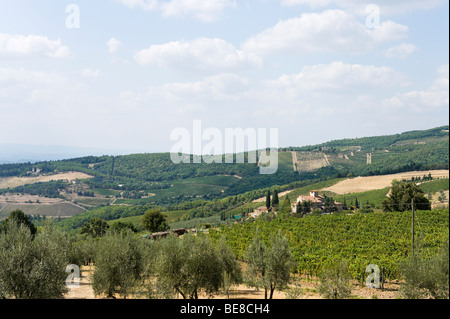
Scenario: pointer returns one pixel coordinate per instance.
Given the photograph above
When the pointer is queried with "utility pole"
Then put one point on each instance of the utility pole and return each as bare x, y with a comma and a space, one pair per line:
412, 228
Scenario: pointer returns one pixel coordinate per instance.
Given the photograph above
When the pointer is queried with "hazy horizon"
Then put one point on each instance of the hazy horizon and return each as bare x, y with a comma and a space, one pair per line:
22, 153
72, 74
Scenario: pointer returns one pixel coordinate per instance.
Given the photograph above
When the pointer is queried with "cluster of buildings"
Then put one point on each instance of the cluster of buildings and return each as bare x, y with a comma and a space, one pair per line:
317, 202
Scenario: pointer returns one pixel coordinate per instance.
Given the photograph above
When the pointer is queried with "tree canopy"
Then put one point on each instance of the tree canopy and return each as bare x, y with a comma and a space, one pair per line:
403, 195
154, 221
18, 218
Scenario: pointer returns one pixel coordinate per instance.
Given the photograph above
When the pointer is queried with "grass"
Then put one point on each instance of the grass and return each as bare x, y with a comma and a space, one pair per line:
106, 192
285, 163
435, 185
191, 187
195, 187
375, 197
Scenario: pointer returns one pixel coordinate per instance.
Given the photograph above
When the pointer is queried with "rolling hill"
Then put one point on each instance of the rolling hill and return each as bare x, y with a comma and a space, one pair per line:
153, 179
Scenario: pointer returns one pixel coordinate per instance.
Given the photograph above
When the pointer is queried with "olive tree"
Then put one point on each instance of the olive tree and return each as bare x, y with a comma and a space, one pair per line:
190, 265
426, 277
18, 217
335, 281
269, 266
33, 267
118, 265
231, 269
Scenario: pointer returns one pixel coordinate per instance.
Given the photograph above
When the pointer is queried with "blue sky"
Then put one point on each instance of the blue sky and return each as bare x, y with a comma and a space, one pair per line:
135, 70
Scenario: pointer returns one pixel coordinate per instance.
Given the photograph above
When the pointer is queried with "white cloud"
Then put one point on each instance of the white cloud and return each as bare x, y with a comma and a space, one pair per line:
224, 86
113, 45
436, 96
387, 7
204, 54
10, 77
329, 31
340, 77
401, 50
19, 46
89, 73
204, 10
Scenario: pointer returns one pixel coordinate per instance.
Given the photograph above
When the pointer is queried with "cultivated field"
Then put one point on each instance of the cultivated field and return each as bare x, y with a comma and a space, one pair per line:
37, 205
12, 182
364, 184
310, 161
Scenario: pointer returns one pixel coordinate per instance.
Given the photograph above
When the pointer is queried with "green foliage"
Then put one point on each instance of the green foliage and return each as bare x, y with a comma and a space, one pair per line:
191, 265
374, 198
381, 142
402, 195
33, 267
391, 154
427, 277
286, 206
275, 200
435, 185
154, 221
268, 204
96, 227
105, 213
121, 227
335, 281
119, 265
18, 218
269, 266
48, 189
362, 239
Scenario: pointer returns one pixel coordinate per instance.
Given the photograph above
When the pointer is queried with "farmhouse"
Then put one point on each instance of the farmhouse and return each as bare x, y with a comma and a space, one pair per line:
154, 236
317, 201
259, 211
313, 197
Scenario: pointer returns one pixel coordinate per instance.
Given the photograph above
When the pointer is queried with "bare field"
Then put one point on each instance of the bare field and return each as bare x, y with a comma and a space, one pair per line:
12, 182
307, 289
28, 199
364, 184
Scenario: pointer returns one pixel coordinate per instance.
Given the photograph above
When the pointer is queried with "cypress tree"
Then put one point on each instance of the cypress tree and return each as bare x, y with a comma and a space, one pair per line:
275, 200
268, 200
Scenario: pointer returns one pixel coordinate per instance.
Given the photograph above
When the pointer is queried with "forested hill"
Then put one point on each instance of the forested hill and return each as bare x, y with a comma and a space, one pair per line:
140, 174
383, 142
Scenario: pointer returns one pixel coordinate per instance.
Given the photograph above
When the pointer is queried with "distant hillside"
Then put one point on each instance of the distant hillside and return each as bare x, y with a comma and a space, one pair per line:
382, 142
379, 155
154, 178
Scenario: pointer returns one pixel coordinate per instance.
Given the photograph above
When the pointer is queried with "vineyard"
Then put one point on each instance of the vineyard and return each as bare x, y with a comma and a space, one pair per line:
383, 239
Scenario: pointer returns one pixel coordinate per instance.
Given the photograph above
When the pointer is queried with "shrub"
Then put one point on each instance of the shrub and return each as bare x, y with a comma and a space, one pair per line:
335, 281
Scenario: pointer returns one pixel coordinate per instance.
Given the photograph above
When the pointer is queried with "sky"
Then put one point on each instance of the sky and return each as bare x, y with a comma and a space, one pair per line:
124, 74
